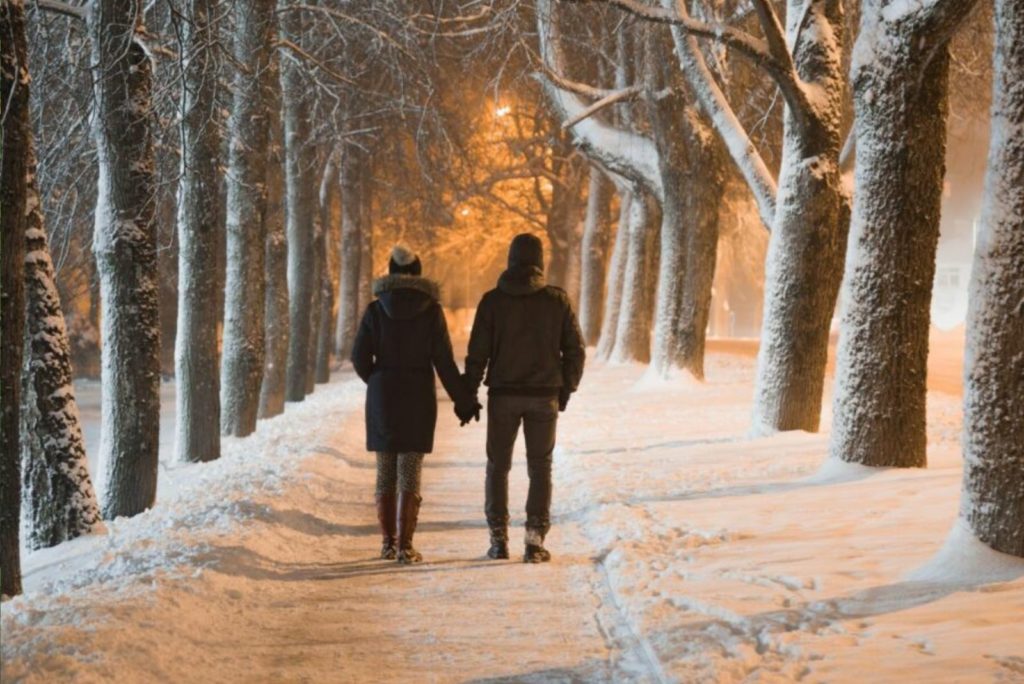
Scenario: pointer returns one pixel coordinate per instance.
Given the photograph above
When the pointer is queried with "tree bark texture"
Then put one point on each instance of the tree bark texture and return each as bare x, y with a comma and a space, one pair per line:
197, 425
563, 210
633, 334
124, 244
14, 84
300, 193
323, 346
808, 233
275, 364
703, 178
244, 337
59, 497
594, 254
351, 255
993, 487
616, 277
315, 304
901, 96
366, 272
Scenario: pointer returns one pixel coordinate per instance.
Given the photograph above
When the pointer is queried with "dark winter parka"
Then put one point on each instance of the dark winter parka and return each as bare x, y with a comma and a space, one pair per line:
402, 339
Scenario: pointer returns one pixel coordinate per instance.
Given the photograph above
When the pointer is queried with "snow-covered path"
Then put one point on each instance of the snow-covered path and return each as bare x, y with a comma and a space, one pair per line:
684, 550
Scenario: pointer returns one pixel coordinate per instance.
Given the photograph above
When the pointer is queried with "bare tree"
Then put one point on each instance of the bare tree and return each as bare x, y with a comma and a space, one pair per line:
594, 254
16, 140
993, 487
242, 366
197, 423
901, 90
300, 194
59, 497
351, 253
272, 389
124, 244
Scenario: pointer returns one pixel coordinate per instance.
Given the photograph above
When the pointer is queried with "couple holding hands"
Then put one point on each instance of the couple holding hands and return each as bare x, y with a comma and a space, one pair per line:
525, 346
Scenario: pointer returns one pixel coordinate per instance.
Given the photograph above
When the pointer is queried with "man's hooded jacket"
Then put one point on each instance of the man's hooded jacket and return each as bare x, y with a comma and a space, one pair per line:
525, 335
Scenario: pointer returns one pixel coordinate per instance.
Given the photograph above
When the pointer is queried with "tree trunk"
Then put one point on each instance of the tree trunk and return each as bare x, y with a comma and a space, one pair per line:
59, 495
315, 305
275, 306
901, 101
14, 171
616, 278
703, 177
351, 256
124, 243
242, 367
594, 255
366, 239
323, 347
802, 273
993, 486
633, 334
563, 210
300, 196
197, 425
328, 196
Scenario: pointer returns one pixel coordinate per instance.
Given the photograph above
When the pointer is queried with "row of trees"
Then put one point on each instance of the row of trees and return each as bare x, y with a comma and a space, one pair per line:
250, 137
881, 221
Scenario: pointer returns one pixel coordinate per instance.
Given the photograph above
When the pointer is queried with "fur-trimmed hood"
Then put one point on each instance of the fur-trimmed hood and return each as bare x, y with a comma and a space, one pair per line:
405, 296
522, 280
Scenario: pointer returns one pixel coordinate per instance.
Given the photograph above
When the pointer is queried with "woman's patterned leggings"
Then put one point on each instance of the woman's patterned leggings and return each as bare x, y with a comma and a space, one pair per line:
401, 469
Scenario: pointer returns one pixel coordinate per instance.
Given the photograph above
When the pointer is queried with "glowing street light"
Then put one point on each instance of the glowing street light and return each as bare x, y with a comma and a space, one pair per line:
502, 111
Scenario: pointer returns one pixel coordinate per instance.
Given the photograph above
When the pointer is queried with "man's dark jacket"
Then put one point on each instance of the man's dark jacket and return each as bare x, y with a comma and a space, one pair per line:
526, 337
402, 338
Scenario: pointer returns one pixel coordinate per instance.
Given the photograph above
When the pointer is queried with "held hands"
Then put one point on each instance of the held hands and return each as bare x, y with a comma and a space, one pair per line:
468, 411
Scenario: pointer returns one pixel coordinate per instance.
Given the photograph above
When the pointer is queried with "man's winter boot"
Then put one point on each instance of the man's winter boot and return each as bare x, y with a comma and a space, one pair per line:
535, 551
499, 543
408, 513
386, 513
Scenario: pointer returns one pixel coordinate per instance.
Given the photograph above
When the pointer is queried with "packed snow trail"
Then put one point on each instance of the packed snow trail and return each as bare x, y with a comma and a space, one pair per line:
684, 550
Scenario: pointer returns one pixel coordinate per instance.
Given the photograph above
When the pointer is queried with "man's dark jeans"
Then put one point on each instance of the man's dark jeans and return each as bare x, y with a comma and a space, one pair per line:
539, 416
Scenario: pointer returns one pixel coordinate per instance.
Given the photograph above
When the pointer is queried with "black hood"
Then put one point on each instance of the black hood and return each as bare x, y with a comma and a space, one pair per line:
522, 280
405, 296
526, 250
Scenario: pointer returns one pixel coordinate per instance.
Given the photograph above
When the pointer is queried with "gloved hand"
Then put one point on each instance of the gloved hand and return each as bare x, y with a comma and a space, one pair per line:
563, 398
468, 411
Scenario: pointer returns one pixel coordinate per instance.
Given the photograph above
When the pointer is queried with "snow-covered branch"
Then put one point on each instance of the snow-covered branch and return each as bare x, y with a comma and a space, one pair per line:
623, 152
58, 7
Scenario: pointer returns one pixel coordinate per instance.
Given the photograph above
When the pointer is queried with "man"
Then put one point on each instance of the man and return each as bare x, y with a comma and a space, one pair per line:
527, 339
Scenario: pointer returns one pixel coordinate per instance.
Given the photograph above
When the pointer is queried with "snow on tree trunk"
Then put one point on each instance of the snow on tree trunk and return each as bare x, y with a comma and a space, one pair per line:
900, 84
16, 134
124, 244
59, 497
616, 278
993, 486
703, 178
366, 272
594, 255
328, 198
300, 195
806, 215
197, 425
351, 256
242, 365
633, 333
272, 388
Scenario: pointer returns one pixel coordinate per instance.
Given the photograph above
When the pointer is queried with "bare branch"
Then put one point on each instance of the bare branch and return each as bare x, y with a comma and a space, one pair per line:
58, 7
606, 101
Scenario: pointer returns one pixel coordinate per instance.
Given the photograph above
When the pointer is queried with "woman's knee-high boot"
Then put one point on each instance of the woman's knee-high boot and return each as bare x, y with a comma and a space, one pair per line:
408, 513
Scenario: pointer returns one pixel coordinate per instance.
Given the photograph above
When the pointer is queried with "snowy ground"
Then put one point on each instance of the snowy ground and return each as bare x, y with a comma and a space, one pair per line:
684, 551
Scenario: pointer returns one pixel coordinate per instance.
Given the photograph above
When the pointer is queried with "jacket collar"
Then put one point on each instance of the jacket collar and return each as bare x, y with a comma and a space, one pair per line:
403, 281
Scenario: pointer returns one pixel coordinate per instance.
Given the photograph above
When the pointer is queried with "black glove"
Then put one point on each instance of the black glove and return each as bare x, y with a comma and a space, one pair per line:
563, 398
468, 411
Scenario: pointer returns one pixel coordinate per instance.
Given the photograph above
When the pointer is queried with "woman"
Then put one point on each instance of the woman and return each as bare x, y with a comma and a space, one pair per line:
402, 338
